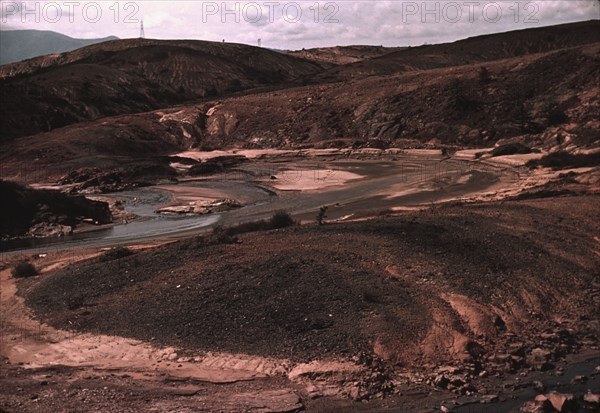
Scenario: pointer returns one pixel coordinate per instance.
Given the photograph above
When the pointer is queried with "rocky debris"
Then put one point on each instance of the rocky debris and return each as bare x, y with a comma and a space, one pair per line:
539, 359
295, 305
541, 404
554, 402
96, 180
562, 402
454, 378
201, 207
42, 212
46, 230
363, 379
539, 386
591, 400
217, 164
488, 398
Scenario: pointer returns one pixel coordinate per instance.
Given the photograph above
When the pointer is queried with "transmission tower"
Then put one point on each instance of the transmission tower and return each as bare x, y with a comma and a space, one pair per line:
259, 42
142, 32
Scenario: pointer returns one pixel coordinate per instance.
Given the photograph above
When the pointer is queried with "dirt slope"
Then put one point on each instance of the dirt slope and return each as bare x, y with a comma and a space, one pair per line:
473, 50
127, 76
342, 55
455, 283
544, 101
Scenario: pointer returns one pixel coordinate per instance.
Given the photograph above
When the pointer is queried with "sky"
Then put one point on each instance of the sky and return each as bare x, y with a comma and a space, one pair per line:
294, 25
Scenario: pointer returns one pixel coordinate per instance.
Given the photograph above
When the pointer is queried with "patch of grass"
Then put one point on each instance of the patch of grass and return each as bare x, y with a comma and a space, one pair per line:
564, 160
24, 269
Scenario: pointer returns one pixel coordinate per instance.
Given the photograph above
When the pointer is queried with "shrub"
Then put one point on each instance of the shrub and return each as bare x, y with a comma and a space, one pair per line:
556, 116
511, 149
280, 219
321, 215
484, 75
562, 160
24, 269
116, 253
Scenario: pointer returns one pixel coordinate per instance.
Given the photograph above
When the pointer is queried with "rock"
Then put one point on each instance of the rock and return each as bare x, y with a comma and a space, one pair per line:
488, 398
172, 356
43, 230
539, 386
540, 405
441, 381
562, 402
592, 399
579, 379
268, 401
444, 409
456, 382
313, 392
539, 359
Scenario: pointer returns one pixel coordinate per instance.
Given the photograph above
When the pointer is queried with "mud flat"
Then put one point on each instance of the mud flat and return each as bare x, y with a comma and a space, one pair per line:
299, 185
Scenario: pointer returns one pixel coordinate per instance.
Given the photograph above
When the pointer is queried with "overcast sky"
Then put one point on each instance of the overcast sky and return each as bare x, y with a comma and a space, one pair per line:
294, 24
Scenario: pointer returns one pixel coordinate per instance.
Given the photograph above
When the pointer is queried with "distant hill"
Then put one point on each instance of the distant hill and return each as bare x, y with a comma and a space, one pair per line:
341, 55
17, 45
473, 50
134, 75
537, 86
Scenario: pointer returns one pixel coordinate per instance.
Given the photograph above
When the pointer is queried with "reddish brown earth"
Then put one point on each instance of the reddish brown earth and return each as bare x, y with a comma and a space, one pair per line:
129, 76
462, 302
399, 287
491, 292
543, 99
342, 55
474, 50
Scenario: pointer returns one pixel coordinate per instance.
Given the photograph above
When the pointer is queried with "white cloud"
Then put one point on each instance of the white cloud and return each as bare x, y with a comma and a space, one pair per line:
296, 24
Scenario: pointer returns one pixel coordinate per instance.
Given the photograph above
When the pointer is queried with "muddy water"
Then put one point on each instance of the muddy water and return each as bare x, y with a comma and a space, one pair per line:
381, 185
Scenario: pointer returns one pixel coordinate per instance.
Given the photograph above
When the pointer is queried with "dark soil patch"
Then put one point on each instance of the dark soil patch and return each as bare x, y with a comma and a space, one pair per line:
305, 292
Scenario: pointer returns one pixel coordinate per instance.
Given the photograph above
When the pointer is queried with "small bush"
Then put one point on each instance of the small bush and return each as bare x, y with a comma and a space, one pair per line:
280, 219
24, 269
484, 75
321, 215
116, 253
556, 116
511, 149
563, 160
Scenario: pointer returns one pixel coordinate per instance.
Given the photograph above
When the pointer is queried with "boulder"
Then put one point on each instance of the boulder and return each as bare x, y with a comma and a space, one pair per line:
562, 402
539, 359
540, 405
591, 400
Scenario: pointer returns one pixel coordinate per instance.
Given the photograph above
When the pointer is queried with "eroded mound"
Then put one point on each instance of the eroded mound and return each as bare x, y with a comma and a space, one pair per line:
455, 283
